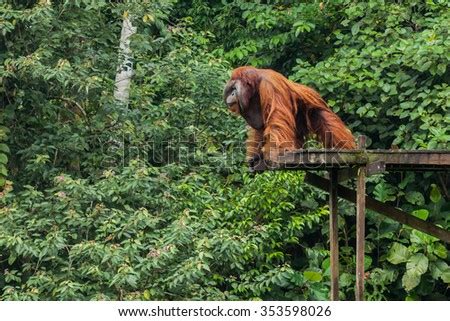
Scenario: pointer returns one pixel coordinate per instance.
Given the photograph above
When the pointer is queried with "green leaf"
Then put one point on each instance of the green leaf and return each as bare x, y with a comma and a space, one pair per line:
415, 198
422, 214
312, 276
3, 159
421, 238
446, 276
3, 170
440, 250
346, 279
4, 130
410, 280
355, 28
409, 178
435, 194
11, 259
441, 68
384, 192
438, 268
4, 148
147, 295
398, 254
326, 265
367, 262
418, 264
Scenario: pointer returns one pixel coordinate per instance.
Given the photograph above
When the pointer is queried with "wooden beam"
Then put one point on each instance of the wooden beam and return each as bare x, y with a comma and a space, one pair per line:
398, 160
334, 240
386, 210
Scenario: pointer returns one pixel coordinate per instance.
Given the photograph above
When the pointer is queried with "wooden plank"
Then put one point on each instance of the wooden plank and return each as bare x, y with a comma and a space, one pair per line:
375, 168
413, 157
393, 159
360, 225
319, 159
386, 210
334, 240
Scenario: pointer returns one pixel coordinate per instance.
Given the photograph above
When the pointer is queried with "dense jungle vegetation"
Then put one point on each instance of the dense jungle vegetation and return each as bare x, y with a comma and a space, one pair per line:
152, 199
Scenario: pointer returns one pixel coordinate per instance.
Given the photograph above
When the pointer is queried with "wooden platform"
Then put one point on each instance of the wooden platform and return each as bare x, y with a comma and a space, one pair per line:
347, 164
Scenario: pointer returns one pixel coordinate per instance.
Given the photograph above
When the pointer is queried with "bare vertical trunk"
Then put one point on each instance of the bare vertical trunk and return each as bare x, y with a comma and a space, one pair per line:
125, 70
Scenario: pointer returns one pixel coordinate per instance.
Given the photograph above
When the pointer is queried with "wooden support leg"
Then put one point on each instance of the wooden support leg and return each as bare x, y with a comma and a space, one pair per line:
334, 241
360, 232
360, 224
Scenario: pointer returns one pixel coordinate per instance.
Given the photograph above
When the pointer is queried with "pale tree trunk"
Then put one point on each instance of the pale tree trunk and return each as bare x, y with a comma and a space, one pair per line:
125, 70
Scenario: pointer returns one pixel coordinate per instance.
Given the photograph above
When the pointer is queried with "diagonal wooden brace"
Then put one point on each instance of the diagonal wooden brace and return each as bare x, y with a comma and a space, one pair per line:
386, 210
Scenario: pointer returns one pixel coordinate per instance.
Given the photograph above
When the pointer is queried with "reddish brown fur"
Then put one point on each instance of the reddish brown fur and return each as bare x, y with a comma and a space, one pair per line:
290, 113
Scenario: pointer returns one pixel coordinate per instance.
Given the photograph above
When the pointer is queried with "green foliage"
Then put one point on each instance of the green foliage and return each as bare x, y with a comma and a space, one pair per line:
423, 257
4, 151
259, 33
389, 72
153, 201
106, 240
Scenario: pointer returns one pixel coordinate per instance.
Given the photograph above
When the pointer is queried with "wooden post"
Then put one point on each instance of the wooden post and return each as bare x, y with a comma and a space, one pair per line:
334, 240
360, 225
